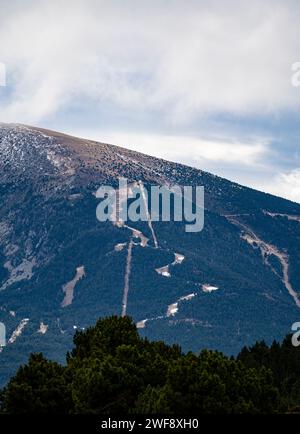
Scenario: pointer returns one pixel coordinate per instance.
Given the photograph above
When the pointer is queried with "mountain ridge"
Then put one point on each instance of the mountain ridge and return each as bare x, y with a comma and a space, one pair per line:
58, 134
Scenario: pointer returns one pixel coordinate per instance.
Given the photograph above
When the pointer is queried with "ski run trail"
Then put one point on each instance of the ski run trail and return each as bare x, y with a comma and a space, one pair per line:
268, 250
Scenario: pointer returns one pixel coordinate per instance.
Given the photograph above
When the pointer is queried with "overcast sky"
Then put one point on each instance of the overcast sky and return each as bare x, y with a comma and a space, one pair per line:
207, 83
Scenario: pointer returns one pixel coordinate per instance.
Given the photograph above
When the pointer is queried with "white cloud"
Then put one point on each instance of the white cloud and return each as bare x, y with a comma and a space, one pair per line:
168, 57
171, 62
286, 185
187, 149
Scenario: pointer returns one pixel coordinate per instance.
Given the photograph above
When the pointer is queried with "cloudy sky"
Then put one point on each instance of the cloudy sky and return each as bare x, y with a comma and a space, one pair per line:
207, 83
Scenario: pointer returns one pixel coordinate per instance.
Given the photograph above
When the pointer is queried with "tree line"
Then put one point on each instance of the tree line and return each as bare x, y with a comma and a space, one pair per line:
112, 370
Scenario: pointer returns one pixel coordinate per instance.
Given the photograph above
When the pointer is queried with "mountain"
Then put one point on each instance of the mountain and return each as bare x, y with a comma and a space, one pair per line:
61, 269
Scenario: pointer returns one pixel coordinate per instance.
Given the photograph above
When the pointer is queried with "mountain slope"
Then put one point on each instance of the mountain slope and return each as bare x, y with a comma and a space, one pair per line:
61, 269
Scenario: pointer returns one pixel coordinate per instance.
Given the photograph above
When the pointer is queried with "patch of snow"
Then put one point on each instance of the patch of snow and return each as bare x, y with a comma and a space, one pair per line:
172, 309
188, 297
18, 331
141, 324
120, 246
288, 216
138, 234
209, 288
179, 258
59, 161
164, 271
43, 328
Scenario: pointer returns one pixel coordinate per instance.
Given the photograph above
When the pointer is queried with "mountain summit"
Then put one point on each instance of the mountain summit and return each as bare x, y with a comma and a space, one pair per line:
61, 269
